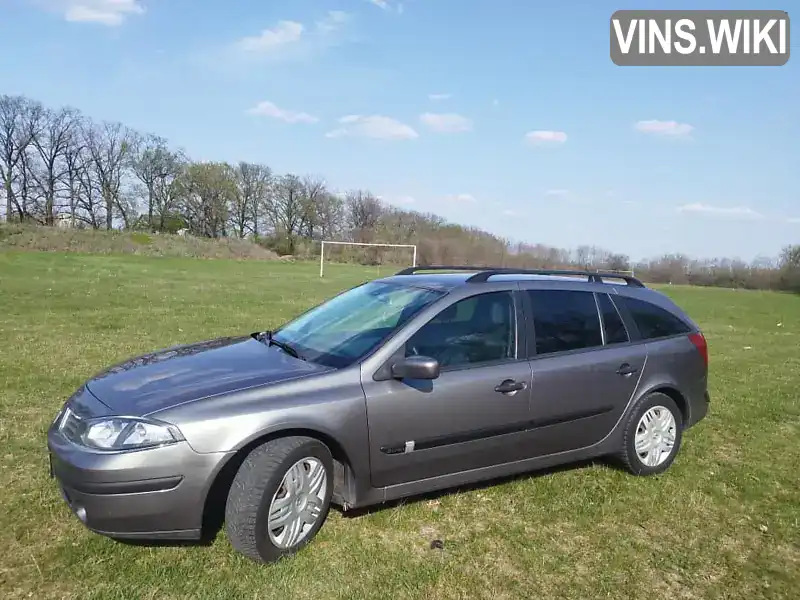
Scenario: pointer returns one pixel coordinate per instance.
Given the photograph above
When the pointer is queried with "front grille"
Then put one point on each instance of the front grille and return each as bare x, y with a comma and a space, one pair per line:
72, 426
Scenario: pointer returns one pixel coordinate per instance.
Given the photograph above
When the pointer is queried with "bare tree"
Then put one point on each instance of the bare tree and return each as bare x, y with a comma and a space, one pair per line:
89, 207
252, 192
618, 262
17, 131
314, 193
109, 146
156, 167
76, 161
364, 213
287, 209
208, 190
330, 216
52, 144
168, 198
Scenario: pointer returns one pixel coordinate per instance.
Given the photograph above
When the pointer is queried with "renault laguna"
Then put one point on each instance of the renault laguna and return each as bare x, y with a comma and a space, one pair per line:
429, 379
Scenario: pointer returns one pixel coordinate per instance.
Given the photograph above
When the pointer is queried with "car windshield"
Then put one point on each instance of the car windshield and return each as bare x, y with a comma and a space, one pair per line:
348, 326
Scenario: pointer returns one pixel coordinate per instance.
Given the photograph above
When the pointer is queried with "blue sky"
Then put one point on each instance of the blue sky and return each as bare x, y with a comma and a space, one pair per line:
435, 105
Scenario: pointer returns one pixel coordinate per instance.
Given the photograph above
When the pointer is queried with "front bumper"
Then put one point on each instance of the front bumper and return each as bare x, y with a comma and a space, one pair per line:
157, 493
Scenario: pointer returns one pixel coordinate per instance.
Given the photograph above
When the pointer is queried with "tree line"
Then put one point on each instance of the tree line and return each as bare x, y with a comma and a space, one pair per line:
60, 167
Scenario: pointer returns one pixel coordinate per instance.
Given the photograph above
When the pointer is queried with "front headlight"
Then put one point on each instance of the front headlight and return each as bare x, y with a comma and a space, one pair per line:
124, 433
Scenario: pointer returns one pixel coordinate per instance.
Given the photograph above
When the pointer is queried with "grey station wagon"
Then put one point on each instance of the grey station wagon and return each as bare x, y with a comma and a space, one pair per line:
433, 378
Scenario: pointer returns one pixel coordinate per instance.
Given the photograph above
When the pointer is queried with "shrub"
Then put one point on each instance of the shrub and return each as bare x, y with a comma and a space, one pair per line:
141, 238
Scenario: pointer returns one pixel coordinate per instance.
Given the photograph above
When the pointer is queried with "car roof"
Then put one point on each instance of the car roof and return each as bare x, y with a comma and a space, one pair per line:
448, 281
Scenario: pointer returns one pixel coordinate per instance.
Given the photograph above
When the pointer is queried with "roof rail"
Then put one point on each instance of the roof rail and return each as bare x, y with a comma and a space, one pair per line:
413, 270
484, 273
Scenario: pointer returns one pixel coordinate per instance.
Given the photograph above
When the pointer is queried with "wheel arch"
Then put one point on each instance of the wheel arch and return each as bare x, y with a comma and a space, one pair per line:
343, 477
672, 392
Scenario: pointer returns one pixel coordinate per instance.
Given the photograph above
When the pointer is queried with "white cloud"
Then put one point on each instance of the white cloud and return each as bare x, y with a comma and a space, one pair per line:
793, 220
388, 6
664, 128
436, 97
546, 137
287, 36
374, 126
721, 211
103, 12
333, 22
461, 198
268, 109
285, 33
446, 122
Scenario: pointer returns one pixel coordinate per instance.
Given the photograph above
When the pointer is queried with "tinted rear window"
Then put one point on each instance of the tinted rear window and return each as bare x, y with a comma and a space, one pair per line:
612, 322
564, 320
653, 321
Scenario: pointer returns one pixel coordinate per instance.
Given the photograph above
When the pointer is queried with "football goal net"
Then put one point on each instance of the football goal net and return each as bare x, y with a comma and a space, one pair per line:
410, 247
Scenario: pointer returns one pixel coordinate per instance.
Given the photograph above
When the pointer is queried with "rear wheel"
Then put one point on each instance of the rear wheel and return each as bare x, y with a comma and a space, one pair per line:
652, 436
279, 498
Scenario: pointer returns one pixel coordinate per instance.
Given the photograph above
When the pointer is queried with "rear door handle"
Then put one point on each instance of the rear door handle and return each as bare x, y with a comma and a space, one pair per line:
625, 369
509, 386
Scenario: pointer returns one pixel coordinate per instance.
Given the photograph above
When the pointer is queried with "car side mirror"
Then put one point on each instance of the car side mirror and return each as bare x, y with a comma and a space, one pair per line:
416, 367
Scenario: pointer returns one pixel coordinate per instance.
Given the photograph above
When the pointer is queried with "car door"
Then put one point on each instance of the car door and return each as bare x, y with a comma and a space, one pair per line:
584, 369
474, 414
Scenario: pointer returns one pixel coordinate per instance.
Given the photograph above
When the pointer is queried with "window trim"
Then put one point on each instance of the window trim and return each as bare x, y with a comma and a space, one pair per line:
603, 341
520, 333
621, 318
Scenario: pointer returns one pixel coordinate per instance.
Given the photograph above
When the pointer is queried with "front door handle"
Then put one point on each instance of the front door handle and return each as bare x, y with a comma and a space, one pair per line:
626, 370
509, 386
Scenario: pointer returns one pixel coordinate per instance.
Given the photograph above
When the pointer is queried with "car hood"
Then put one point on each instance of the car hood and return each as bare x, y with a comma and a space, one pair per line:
166, 378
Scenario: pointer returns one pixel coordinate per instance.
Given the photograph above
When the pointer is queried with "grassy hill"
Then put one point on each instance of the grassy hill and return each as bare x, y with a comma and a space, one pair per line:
721, 523
57, 239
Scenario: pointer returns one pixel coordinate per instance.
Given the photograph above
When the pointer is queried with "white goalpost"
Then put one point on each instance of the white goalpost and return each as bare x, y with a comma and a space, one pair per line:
322, 251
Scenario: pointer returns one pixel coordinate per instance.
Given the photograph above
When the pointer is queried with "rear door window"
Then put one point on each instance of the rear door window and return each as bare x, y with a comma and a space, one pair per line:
564, 320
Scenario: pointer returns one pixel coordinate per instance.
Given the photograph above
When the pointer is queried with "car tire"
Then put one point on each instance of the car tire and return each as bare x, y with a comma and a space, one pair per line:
652, 436
268, 481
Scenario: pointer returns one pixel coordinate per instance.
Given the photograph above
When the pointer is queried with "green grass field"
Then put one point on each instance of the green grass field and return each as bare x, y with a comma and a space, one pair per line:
723, 522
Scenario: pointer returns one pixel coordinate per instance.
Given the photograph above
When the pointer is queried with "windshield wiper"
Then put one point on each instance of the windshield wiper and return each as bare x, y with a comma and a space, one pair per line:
267, 338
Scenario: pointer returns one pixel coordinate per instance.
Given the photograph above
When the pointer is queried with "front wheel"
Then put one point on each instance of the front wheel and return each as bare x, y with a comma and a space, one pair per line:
652, 436
279, 498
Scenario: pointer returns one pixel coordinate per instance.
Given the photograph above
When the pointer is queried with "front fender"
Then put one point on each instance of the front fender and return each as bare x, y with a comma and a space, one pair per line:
332, 405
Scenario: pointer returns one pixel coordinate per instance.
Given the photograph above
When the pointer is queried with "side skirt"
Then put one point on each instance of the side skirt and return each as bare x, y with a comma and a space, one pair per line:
372, 496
